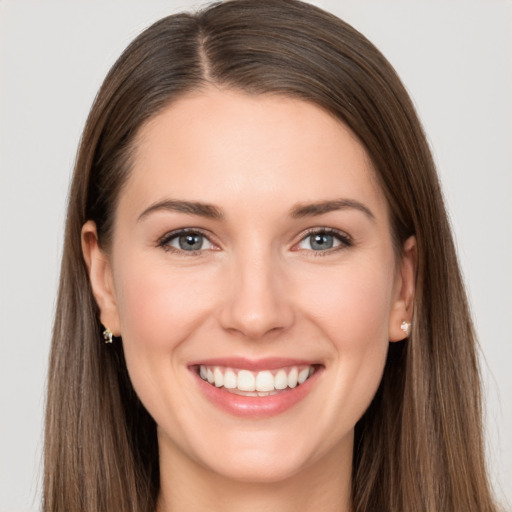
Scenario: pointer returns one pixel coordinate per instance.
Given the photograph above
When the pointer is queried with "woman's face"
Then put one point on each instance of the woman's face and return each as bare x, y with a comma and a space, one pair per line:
252, 247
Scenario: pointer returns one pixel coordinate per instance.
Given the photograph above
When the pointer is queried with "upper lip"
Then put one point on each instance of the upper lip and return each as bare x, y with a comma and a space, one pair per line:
267, 363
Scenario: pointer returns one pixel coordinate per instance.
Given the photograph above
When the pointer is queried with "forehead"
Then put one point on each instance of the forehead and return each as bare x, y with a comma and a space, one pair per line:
248, 151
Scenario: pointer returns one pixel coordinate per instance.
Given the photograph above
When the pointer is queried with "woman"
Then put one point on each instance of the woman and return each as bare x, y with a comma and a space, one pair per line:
254, 217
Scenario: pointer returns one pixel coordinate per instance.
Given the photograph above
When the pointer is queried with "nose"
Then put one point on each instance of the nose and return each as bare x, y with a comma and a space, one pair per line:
258, 301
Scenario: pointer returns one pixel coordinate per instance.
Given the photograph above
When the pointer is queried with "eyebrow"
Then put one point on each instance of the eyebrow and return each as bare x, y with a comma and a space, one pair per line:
322, 207
297, 212
191, 207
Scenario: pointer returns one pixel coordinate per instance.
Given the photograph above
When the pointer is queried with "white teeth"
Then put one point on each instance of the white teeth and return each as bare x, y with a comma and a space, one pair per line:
292, 377
219, 377
264, 381
230, 379
281, 380
267, 393
246, 381
303, 375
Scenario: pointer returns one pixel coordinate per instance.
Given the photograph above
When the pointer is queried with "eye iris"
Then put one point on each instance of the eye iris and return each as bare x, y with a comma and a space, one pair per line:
322, 241
191, 242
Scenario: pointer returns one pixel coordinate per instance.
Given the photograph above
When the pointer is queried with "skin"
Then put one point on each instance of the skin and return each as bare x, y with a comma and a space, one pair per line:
257, 288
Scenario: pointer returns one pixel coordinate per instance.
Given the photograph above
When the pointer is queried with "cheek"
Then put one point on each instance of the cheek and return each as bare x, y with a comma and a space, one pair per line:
159, 310
351, 304
353, 313
159, 307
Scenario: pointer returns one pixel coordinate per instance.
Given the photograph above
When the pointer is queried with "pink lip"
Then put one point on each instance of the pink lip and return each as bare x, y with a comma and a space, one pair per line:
255, 365
255, 407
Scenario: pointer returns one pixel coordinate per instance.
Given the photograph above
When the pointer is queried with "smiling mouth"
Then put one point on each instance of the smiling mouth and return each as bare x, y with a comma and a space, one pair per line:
256, 383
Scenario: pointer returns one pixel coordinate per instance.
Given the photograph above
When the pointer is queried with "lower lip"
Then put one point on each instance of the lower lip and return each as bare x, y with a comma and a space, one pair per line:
257, 406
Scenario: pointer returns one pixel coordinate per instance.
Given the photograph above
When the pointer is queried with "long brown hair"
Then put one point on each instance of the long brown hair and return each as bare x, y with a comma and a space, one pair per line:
419, 445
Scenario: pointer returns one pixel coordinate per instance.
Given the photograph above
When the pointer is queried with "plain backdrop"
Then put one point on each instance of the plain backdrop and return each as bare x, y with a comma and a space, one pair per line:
455, 57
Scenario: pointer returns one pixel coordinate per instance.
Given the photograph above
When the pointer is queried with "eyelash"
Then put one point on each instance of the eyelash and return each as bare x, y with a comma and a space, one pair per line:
169, 237
343, 238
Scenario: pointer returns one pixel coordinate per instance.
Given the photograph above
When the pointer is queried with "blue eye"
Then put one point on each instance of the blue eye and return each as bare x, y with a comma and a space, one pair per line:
323, 240
185, 241
190, 242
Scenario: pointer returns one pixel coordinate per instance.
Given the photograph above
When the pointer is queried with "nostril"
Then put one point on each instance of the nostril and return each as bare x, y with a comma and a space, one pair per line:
256, 306
256, 324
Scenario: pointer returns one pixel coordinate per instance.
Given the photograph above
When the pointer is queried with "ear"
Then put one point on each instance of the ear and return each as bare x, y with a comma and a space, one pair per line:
402, 307
100, 276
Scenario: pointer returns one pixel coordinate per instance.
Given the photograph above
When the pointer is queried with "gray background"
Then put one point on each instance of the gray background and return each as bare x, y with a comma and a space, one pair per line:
454, 56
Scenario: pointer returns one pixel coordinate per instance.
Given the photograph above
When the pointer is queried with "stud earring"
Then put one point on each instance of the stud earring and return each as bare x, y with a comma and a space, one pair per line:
405, 326
107, 335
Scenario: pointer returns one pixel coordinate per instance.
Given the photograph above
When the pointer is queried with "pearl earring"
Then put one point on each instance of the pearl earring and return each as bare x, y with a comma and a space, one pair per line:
405, 326
107, 335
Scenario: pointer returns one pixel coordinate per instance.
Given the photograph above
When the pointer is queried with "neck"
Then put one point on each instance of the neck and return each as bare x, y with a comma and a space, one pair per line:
189, 486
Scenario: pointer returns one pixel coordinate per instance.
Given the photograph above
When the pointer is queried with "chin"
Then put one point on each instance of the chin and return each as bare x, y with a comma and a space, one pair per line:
270, 457
262, 468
